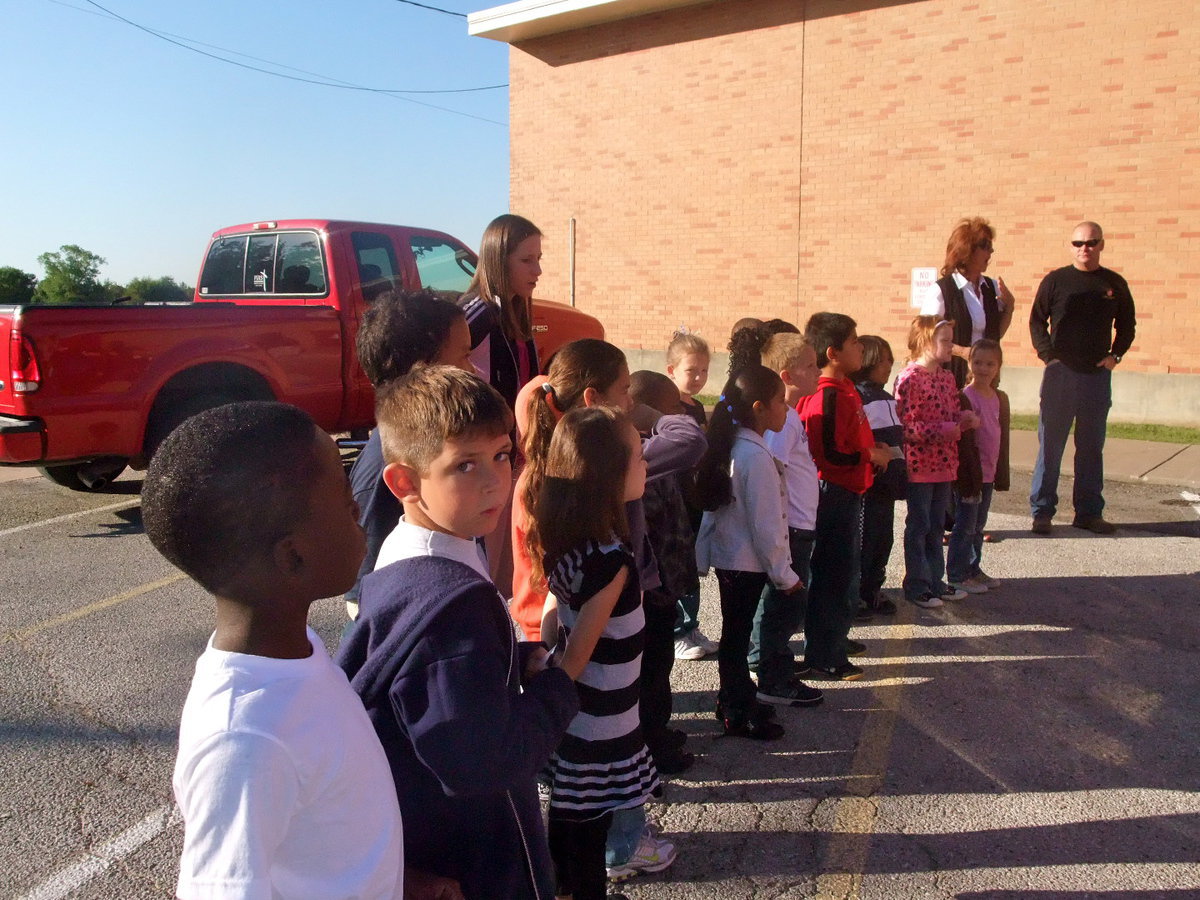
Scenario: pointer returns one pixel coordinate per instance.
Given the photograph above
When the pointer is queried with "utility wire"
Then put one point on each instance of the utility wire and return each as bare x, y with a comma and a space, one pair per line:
321, 80
448, 12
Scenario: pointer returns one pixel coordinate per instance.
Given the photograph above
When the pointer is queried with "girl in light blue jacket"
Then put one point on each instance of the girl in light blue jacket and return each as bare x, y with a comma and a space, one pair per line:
744, 533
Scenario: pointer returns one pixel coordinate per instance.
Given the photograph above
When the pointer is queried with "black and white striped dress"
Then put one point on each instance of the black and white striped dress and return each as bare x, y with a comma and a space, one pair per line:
602, 763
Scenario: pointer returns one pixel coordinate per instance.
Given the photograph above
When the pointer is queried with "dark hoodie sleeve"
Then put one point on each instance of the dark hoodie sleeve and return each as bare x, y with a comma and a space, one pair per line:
458, 702
675, 446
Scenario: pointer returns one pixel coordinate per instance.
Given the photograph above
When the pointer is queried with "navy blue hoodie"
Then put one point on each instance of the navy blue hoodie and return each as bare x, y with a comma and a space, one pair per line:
435, 660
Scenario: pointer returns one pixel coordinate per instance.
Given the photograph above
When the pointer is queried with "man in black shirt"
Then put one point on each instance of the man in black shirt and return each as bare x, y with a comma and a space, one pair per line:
1072, 323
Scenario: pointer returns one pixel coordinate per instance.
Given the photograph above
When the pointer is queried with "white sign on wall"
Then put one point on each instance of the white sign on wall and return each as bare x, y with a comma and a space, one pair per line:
923, 279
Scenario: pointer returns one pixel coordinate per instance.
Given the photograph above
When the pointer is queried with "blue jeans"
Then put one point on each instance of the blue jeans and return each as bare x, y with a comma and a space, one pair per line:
1068, 396
923, 562
780, 616
623, 835
965, 553
836, 569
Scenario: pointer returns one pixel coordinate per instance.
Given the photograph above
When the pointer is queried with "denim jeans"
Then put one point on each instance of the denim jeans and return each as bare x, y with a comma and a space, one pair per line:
687, 618
833, 590
965, 553
1068, 396
739, 601
924, 565
779, 616
623, 835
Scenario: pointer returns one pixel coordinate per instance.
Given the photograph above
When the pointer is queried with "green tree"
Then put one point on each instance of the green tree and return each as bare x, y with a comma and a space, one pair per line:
16, 287
158, 290
72, 276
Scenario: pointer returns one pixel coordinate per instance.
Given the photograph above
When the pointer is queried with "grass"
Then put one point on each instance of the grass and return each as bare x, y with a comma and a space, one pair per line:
1168, 434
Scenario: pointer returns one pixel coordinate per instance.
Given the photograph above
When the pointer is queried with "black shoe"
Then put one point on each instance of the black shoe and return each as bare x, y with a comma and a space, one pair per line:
1041, 525
855, 648
674, 739
844, 672
756, 731
883, 607
761, 712
673, 762
864, 614
1094, 524
794, 693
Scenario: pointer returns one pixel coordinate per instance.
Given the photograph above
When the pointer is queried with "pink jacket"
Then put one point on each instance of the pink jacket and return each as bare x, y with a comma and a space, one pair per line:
928, 407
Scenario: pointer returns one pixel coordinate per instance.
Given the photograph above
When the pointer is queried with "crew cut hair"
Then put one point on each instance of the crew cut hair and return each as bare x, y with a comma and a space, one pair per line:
828, 329
227, 485
430, 405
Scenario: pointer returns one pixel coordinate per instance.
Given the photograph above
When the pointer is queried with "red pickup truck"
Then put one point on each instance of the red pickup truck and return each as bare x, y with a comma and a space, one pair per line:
92, 389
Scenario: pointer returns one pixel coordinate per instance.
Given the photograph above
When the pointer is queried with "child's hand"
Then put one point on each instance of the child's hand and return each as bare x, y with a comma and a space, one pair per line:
420, 885
880, 456
538, 661
794, 589
968, 419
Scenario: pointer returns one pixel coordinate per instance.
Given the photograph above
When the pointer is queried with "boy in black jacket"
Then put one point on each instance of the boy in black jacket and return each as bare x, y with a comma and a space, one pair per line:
879, 502
466, 715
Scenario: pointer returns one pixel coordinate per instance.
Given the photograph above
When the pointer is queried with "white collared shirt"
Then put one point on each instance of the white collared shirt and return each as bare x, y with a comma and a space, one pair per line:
408, 540
934, 304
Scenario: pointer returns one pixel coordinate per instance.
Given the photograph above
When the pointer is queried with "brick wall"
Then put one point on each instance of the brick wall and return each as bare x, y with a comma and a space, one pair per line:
778, 157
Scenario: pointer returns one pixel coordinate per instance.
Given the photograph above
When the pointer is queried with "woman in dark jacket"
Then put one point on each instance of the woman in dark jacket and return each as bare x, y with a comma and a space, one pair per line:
980, 307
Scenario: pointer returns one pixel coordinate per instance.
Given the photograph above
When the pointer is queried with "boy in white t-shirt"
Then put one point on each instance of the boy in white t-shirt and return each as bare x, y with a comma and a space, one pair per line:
284, 788
780, 615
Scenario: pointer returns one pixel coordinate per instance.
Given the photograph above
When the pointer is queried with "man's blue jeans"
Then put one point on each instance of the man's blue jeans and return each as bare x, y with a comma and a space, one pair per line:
1069, 396
924, 564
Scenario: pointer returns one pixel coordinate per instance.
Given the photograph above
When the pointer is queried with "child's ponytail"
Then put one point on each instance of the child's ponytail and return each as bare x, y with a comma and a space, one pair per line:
735, 407
746, 346
579, 365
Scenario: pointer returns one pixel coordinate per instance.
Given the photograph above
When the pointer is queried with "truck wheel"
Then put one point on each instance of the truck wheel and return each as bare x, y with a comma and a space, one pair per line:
174, 416
93, 475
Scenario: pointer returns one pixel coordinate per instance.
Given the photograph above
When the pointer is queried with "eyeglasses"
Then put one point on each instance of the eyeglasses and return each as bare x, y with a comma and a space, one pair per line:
1094, 242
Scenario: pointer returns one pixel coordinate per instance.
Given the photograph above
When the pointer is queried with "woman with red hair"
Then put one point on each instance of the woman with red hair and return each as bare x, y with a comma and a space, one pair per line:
980, 307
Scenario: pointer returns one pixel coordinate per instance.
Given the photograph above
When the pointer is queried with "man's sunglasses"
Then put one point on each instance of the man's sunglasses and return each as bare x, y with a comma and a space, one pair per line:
1094, 242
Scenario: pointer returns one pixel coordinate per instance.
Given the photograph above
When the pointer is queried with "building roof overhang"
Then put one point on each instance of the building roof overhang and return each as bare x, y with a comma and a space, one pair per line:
527, 19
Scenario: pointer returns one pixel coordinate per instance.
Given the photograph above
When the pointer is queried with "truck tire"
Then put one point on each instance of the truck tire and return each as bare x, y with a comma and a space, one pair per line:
93, 475
175, 415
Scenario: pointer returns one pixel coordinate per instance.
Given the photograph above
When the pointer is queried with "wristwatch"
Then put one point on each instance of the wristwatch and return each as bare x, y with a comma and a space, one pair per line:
1115, 356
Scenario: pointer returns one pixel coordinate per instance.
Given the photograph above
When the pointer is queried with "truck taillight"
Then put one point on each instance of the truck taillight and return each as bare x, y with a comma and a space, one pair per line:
23, 364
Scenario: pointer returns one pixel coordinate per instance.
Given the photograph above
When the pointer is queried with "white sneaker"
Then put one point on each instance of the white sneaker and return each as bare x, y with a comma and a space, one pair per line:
928, 601
710, 646
686, 648
987, 580
953, 593
652, 855
971, 586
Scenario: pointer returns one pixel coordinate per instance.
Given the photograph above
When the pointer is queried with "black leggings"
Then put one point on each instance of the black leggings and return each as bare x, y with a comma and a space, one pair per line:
577, 849
739, 601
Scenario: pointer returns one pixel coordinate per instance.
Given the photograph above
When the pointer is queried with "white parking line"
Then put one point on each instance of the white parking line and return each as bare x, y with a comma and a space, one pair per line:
1193, 499
74, 876
124, 504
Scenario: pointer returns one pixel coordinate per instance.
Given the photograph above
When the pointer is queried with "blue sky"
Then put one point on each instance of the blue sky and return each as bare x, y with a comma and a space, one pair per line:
137, 150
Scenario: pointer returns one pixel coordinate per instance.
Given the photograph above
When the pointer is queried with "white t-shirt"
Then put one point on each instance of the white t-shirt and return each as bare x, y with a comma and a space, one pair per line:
934, 304
284, 787
790, 447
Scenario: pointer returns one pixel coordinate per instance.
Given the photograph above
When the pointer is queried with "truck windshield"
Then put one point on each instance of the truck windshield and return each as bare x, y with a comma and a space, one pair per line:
277, 263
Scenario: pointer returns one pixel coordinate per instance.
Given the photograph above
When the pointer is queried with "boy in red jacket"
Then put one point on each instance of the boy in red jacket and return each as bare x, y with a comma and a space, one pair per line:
845, 452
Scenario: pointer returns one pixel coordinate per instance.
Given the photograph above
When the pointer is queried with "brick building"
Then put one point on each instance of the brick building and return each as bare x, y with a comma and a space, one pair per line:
779, 157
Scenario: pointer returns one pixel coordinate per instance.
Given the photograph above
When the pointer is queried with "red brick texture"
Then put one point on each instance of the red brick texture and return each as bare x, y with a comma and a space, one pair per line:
780, 157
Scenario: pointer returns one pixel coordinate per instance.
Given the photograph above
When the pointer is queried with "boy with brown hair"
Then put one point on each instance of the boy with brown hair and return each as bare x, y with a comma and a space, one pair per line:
844, 449
467, 716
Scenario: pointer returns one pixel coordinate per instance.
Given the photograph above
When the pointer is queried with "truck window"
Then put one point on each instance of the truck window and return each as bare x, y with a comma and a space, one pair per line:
298, 268
376, 260
277, 263
444, 268
224, 266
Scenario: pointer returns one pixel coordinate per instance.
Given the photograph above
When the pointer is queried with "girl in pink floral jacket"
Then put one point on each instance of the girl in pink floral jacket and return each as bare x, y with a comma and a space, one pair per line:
928, 407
